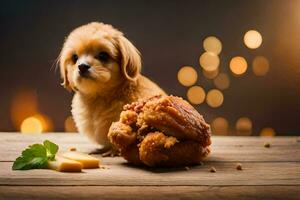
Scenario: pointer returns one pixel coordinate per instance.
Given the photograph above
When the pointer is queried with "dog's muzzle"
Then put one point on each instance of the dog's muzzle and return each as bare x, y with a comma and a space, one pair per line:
83, 69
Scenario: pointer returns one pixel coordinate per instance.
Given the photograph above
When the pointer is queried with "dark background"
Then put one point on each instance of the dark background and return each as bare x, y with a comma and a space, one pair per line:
169, 34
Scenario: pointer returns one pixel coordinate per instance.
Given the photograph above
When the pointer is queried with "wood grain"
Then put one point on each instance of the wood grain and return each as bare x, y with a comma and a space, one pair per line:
78, 138
231, 149
149, 192
268, 173
120, 173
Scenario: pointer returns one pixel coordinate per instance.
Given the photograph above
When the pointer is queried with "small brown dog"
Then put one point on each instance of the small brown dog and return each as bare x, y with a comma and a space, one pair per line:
103, 68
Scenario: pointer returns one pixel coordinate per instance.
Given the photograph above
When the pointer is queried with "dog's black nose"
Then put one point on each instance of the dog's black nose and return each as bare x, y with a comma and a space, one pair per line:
83, 68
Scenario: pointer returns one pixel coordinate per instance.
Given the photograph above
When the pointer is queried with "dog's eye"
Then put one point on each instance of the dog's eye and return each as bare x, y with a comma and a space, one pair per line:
103, 56
74, 58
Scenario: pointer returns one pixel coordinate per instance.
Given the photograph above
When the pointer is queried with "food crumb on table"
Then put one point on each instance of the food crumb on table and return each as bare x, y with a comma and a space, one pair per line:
213, 170
72, 149
267, 145
239, 166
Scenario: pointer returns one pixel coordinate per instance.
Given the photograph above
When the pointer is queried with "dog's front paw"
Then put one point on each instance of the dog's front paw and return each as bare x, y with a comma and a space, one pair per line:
111, 152
106, 151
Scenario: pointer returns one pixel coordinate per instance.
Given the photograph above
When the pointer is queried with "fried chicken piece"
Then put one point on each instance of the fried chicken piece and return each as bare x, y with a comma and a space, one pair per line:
137, 106
132, 155
128, 117
175, 117
158, 149
121, 136
161, 131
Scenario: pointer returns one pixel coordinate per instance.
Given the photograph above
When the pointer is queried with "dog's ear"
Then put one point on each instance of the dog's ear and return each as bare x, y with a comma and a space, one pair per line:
130, 59
64, 73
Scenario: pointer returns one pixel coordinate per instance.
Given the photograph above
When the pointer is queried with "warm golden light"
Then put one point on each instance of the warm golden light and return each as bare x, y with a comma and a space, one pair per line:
70, 125
196, 95
214, 98
212, 44
219, 126
222, 81
209, 61
187, 76
252, 39
210, 74
31, 125
260, 66
267, 132
244, 126
238, 65
24, 105
47, 124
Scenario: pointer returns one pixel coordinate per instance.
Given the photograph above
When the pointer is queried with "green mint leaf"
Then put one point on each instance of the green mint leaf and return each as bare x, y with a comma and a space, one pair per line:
35, 163
34, 157
19, 163
35, 150
51, 149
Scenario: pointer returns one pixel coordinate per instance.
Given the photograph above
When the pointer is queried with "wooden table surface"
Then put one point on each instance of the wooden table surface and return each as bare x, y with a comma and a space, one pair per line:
268, 173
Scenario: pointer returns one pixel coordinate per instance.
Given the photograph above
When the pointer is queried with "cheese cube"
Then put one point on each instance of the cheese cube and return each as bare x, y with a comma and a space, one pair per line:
87, 161
64, 165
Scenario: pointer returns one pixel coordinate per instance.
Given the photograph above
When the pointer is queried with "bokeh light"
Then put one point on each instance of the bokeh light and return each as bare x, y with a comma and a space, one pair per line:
219, 126
243, 126
196, 95
187, 76
222, 81
210, 74
209, 61
212, 44
252, 39
31, 125
70, 125
267, 132
47, 124
260, 66
24, 105
238, 65
214, 98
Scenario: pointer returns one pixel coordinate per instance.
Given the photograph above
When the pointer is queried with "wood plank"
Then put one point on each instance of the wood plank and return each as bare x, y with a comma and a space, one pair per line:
120, 173
149, 192
232, 149
9, 153
70, 138
268, 173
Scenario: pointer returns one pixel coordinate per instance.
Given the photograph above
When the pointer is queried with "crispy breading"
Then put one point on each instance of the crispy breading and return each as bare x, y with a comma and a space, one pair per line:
167, 131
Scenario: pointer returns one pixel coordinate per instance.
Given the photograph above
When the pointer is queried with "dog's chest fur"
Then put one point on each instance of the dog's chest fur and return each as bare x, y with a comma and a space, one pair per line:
93, 117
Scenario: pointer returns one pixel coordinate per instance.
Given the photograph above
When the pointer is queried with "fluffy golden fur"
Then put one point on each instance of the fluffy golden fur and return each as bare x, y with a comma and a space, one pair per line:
113, 79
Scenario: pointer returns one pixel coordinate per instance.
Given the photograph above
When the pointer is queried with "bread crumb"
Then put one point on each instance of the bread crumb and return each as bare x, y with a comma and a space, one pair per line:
213, 170
267, 145
186, 168
170, 141
239, 166
72, 149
